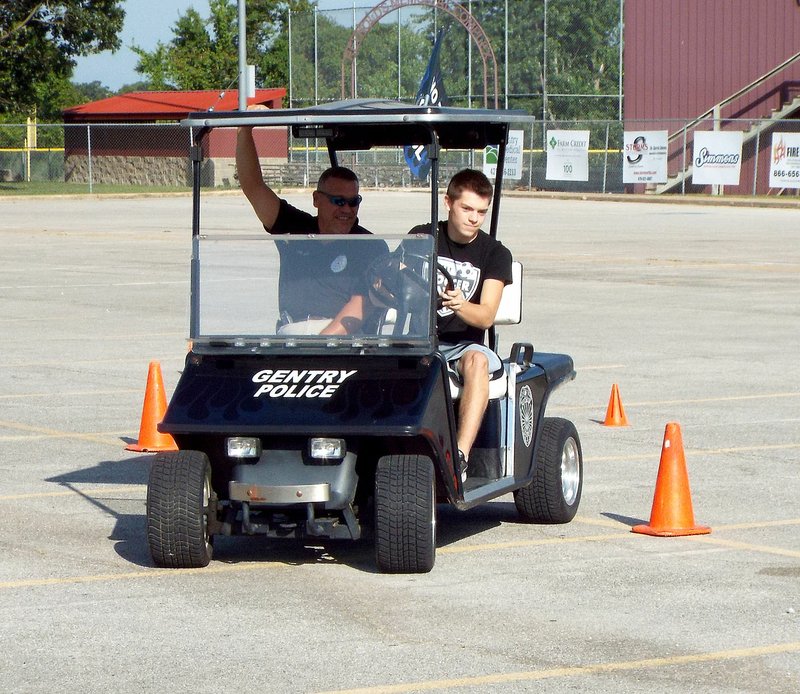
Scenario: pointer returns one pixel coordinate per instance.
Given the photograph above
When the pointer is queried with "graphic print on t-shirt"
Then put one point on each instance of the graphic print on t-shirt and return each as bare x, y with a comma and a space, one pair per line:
466, 277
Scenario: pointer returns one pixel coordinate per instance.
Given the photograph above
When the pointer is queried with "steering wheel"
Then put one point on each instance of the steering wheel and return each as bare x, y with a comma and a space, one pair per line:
418, 276
399, 280
451, 285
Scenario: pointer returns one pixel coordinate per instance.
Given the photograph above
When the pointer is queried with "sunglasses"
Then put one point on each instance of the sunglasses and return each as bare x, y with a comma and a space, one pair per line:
341, 201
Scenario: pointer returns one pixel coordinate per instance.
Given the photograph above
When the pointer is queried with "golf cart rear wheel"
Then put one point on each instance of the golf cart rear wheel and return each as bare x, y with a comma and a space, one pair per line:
405, 514
179, 499
555, 492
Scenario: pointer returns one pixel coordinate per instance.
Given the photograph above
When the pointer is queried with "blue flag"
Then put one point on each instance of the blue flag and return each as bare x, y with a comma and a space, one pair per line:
431, 93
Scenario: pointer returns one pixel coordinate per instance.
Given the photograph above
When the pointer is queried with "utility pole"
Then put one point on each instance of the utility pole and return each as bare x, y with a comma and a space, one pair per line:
242, 58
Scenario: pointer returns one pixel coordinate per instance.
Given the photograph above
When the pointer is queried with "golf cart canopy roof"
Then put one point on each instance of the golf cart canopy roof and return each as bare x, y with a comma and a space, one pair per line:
360, 124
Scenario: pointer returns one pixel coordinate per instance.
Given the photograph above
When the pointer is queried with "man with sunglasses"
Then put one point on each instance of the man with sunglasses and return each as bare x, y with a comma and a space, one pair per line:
319, 283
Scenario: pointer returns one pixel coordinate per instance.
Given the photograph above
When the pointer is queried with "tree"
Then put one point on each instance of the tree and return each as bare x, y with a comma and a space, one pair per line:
141, 86
38, 45
376, 62
577, 55
204, 53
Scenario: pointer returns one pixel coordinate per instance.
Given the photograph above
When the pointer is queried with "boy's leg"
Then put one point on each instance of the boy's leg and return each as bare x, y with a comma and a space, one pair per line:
474, 369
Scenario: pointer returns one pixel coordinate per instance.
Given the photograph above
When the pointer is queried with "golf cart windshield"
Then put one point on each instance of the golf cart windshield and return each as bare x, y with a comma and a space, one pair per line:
261, 293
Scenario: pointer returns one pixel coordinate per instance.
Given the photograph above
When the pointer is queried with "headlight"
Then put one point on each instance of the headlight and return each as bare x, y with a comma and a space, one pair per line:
243, 447
327, 449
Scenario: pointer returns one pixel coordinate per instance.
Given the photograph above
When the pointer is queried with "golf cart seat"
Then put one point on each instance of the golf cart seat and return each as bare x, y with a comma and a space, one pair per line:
508, 313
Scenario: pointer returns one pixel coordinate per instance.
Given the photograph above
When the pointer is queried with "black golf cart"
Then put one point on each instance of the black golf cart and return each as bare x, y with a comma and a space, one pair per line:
286, 432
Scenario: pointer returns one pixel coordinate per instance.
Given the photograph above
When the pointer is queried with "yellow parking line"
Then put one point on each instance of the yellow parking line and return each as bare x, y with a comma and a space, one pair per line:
749, 547
461, 549
715, 540
681, 401
149, 573
70, 394
58, 434
578, 671
75, 362
95, 493
745, 449
753, 525
694, 451
458, 549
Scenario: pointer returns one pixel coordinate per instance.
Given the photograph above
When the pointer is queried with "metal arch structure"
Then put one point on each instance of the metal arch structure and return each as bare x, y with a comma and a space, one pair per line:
454, 9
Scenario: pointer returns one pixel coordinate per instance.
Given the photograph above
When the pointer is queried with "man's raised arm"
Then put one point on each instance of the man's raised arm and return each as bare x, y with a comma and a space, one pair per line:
262, 198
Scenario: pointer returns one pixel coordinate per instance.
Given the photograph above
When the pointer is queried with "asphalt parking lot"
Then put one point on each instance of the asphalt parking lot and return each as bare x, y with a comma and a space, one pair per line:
694, 311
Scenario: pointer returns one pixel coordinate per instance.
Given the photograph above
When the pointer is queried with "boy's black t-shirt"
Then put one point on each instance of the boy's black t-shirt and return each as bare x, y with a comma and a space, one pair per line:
470, 264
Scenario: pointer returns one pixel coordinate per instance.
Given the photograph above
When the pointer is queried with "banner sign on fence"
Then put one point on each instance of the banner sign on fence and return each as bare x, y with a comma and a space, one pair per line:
784, 161
567, 155
717, 157
512, 168
645, 159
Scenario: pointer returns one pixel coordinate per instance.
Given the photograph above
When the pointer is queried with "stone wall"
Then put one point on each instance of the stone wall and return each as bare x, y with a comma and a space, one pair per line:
219, 172
129, 170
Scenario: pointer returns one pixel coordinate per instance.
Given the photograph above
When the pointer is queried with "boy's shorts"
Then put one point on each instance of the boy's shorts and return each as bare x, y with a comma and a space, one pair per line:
454, 352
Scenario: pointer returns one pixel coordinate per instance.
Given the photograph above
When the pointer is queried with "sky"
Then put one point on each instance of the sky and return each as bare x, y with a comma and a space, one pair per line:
146, 23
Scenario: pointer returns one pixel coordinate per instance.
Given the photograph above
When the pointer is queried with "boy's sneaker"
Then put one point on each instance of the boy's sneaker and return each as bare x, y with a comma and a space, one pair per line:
462, 466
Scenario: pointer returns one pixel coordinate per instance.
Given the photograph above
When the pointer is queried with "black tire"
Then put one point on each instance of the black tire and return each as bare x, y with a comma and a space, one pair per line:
179, 499
405, 514
555, 492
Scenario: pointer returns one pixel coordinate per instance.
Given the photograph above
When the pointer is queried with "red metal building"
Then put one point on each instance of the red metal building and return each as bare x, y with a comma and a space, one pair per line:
684, 57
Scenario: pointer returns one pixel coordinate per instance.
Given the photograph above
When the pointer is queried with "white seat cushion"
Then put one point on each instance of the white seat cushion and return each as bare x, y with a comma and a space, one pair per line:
510, 310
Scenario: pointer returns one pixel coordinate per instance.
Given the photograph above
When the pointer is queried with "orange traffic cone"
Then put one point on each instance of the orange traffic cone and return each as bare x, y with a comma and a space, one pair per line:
151, 440
615, 414
672, 514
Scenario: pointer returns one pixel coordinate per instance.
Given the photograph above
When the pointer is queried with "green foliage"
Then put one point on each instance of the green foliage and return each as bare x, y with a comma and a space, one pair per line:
38, 45
578, 55
201, 55
583, 58
204, 53
376, 63
142, 86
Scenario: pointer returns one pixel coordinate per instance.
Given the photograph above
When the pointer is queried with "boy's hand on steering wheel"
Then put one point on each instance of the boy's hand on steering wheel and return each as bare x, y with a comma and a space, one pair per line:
452, 299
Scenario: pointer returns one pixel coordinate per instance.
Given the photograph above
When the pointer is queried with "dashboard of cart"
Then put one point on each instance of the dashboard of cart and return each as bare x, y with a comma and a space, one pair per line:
264, 293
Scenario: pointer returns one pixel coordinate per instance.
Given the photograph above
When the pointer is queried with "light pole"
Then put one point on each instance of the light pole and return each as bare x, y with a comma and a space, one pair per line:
242, 58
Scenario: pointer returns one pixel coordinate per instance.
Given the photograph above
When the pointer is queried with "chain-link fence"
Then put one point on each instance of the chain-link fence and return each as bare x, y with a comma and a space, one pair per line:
555, 59
113, 157
96, 157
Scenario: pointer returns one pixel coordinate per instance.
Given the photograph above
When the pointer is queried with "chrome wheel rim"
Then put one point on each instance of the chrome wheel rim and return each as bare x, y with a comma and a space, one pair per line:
206, 504
570, 471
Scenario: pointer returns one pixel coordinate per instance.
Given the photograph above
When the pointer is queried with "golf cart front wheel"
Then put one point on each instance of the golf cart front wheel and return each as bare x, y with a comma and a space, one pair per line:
179, 501
405, 514
555, 492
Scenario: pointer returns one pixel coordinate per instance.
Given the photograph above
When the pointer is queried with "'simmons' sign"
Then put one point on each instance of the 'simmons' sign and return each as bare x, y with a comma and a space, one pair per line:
717, 157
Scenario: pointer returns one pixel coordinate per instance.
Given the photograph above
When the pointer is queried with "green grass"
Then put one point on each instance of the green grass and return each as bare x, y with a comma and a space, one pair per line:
60, 188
